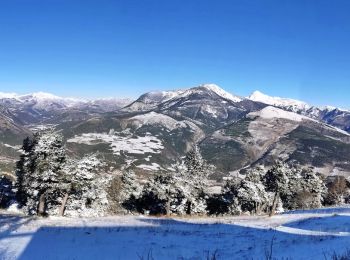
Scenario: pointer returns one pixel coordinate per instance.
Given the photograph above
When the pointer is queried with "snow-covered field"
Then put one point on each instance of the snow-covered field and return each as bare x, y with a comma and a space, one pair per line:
296, 235
130, 144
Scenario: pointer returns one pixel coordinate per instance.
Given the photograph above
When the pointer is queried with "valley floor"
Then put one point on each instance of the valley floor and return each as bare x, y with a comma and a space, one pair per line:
314, 234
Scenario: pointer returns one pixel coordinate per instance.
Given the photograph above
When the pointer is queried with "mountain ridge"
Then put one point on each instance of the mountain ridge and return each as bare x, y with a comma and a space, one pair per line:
154, 131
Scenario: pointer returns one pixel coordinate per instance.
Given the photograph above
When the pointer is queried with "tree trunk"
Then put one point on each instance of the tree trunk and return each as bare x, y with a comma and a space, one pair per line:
274, 204
258, 208
188, 208
41, 206
63, 205
168, 208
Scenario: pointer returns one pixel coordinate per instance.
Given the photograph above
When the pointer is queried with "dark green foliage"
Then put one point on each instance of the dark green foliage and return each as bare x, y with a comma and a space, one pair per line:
217, 205
238, 129
25, 166
39, 170
6, 191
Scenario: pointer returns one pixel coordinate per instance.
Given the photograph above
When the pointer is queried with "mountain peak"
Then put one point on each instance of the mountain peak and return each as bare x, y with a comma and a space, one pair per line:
258, 95
44, 95
8, 95
219, 91
278, 101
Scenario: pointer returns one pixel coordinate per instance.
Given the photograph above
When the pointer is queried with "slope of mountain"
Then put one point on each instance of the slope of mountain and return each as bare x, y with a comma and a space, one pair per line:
11, 135
272, 133
233, 132
330, 115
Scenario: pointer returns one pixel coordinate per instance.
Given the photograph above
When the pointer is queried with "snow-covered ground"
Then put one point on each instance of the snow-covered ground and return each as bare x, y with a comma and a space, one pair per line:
295, 235
127, 143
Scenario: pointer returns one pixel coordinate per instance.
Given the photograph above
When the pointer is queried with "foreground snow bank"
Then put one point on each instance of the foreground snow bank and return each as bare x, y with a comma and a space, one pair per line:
292, 235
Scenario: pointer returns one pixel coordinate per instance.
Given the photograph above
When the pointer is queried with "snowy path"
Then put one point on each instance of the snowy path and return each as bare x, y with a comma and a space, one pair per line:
298, 235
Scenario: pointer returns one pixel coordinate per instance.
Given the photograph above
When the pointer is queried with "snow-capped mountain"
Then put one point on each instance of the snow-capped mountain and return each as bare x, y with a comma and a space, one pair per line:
154, 131
330, 115
41, 107
47, 101
151, 100
286, 103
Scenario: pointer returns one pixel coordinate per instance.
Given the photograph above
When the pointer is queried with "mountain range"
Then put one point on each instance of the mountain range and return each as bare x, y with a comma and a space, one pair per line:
154, 131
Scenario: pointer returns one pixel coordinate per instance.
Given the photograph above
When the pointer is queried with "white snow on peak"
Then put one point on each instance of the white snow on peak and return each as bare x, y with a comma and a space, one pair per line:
277, 101
222, 93
332, 108
273, 112
8, 95
44, 95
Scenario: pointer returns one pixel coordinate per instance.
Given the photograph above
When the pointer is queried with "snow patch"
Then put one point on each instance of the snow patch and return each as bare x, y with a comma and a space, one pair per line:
120, 143
153, 118
152, 167
273, 112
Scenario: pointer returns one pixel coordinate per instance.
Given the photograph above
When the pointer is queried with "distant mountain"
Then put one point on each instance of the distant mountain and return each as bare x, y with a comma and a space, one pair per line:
12, 132
330, 115
43, 107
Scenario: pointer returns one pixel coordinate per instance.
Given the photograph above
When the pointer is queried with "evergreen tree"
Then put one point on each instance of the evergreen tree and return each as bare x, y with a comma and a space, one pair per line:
313, 190
84, 187
129, 192
248, 194
164, 194
6, 190
194, 181
39, 172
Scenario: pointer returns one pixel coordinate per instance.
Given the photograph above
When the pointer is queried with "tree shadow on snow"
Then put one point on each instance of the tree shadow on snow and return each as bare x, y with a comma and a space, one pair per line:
9, 225
171, 239
336, 223
321, 211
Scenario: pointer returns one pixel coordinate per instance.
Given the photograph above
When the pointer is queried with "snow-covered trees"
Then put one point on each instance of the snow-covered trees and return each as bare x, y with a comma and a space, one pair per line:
180, 192
312, 192
49, 183
248, 194
277, 182
297, 188
194, 181
161, 195
39, 172
282, 187
124, 192
85, 187
338, 190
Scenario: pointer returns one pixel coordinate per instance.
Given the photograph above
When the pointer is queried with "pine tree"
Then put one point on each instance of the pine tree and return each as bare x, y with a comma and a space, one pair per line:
84, 187
276, 181
313, 188
129, 191
6, 190
248, 194
164, 194
39, 172
23, 168
297, 188
194, 179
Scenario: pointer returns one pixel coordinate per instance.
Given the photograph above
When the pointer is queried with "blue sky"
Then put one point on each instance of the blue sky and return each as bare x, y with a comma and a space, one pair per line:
294, 48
